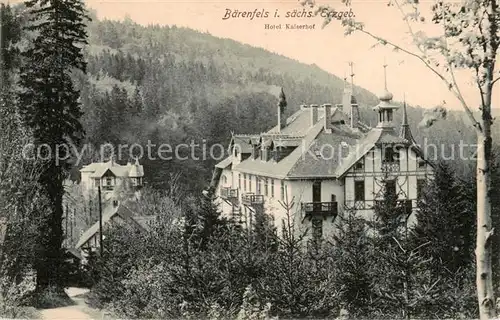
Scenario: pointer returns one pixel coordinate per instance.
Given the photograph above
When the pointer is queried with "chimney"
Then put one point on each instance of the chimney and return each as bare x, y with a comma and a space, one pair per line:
354, 113
328, 117
281, 110
314, 114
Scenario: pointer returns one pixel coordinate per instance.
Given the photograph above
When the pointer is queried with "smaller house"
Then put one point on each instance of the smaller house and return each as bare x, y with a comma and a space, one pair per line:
111, 176
114, 213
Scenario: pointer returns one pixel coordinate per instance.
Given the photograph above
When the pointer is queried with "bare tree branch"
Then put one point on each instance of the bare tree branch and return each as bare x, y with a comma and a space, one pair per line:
451, 86
495, 80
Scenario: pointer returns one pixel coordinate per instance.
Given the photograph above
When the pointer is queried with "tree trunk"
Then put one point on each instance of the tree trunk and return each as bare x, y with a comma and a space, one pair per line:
49, 267
484, 281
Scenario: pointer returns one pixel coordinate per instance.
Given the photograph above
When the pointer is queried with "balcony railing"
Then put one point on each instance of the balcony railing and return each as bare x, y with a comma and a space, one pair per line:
370, 204
407, 205
390, 166
320, 208
228, 193
250, 199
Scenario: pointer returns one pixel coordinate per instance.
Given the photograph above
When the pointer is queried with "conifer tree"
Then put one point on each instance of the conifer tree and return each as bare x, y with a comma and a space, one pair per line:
402, 285
446, 220
50, 107
351, 251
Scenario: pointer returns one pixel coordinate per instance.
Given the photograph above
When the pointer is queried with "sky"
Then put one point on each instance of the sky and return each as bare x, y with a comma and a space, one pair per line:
327, 47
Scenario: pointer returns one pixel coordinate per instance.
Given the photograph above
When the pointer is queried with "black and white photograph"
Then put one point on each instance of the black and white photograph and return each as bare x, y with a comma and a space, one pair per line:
249, 159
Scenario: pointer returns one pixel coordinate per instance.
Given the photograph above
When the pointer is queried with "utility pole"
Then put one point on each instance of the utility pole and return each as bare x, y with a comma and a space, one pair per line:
66, 230
72, 224
100, 220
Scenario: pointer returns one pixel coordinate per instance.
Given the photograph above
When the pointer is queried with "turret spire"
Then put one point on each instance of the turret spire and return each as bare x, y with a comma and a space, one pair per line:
385, 108
385, 74
281, 110
355, 117
385, 95
351, 64
405, 131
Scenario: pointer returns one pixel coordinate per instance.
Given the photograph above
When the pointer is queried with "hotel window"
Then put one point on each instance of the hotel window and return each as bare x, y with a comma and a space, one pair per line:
109, 181
282, 187
389, 115
224, 179
421, 163
239, 180
257, 182
244, 182
390, 155
272, 188
359, 165
359, 191
250, 182
421, 183
266, 187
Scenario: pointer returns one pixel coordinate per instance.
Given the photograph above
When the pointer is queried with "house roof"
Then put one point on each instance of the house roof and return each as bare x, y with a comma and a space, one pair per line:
325, 153
98, 169
108, 213
243, 142
375, 137
316, 153
278, 169
225, 163
302, 161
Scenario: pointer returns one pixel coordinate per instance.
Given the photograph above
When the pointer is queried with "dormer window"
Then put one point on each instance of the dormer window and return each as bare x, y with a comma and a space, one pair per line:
138, 181
277, 153
359, 166
109, 181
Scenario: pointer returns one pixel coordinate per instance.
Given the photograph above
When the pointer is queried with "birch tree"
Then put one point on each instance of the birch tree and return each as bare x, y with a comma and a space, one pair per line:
469, 40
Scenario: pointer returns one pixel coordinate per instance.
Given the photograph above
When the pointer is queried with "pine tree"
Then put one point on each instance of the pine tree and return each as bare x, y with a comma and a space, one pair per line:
402, 285
50, 107
446, 220
351, 252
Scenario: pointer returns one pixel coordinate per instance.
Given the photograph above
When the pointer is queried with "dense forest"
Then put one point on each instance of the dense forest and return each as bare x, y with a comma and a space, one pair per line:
175, 85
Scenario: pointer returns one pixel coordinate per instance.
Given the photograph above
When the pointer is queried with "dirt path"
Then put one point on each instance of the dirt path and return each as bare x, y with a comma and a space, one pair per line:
79, 311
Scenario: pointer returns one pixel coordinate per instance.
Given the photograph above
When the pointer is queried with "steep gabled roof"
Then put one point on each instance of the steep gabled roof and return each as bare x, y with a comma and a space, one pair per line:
307, 141
324, 155
108, 214
225, 163
243, 142
375, 137
280, 169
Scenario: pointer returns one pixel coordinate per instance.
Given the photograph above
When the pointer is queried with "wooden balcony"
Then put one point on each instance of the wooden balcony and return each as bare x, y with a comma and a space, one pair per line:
325, 209
390, 166
369, 204
407, 205
228, 193
108, 187
251, 199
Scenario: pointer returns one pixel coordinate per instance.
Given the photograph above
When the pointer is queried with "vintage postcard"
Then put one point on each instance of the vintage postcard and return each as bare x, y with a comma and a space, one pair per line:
249, 159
